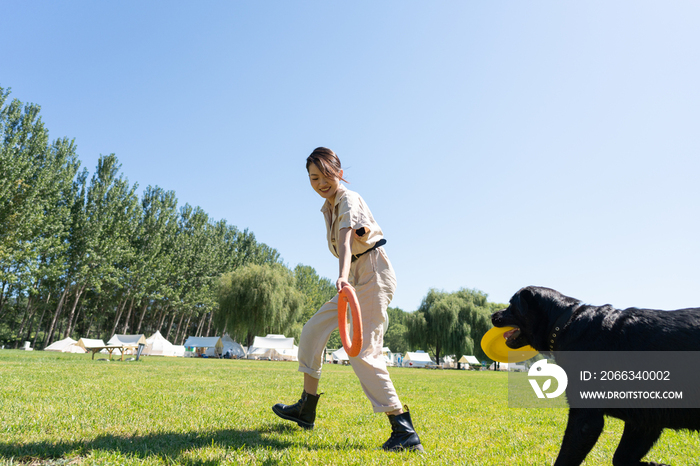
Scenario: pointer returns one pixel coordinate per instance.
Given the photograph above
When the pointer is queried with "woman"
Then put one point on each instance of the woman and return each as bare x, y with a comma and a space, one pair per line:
355, 239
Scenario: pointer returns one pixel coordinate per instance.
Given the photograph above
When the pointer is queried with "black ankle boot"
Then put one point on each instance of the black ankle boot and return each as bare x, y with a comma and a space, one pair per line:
303, 412
403, 435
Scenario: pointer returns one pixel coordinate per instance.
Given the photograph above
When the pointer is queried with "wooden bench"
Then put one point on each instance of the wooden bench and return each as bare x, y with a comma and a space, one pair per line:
110, 349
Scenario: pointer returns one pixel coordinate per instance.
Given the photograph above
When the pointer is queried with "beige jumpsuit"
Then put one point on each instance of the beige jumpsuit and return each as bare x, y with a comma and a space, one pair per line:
374, 281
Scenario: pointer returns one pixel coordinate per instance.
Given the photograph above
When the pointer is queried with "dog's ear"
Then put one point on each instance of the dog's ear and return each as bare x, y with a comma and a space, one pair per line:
528, 298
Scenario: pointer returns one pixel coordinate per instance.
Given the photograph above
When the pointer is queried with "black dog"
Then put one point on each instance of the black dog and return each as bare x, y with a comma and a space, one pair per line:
550, 321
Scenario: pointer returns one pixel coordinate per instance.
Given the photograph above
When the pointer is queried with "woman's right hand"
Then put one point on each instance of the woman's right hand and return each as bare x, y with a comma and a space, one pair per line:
341, 283
344, 258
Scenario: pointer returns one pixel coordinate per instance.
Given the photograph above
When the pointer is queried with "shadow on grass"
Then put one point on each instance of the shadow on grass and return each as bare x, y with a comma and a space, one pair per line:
169, 445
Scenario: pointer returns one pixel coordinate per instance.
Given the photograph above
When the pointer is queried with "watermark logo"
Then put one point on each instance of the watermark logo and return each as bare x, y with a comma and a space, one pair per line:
542, 369
607, 379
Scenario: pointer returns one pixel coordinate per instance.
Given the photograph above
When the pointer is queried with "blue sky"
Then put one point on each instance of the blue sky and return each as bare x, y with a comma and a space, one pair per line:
498, 144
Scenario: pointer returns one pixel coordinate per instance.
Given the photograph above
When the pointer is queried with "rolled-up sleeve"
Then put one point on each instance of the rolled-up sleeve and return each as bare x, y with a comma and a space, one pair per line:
352, 212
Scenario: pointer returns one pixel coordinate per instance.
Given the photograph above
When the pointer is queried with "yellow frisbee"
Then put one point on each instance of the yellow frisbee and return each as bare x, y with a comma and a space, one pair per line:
494, 345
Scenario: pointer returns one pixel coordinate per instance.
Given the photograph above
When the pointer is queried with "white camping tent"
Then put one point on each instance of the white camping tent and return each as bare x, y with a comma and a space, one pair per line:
230, 345
127, 340
67, 345
157, 345
416, 359
289, 354
471, 360
340, 355
209, 346
87, 343
131, 342
272, 347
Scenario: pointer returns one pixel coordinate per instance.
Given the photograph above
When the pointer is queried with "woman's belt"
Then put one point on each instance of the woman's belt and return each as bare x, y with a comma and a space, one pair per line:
379, 243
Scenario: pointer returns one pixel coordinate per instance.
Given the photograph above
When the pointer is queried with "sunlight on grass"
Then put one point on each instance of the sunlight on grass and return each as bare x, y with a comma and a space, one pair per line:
60, 409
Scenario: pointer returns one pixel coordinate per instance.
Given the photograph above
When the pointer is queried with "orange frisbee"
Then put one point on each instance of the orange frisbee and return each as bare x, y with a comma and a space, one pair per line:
346, 297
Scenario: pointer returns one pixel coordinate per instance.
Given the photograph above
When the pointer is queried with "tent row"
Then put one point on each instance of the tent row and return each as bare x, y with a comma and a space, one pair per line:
408, 359
270, 347
155, 345
340, 356
422, 359
213, 347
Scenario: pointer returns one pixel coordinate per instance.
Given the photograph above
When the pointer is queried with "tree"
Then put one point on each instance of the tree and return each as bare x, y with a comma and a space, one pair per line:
449, 323
150, 265
49, 238
83, 254
476, 312
23, 148
35, 198
395, 337
103, 223
258, 299
433, 324
316, 291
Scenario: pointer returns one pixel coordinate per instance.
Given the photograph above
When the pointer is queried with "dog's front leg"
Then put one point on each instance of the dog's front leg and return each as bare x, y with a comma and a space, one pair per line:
636, 442
582, 432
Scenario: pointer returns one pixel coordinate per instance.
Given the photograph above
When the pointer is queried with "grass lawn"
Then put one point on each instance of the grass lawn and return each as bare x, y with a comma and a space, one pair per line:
59, 409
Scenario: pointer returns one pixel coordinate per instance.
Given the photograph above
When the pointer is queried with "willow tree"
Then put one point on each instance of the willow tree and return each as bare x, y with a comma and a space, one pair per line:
258, 299
395, 336
476, 312
449, 323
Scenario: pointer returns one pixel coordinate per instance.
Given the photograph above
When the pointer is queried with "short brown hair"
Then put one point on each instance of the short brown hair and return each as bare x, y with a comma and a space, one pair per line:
327, 162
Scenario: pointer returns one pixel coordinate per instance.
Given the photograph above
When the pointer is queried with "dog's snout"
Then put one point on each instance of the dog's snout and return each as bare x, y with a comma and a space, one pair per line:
497, 317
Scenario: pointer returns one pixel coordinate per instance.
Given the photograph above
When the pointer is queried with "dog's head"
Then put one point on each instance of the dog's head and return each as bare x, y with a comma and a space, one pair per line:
533, 311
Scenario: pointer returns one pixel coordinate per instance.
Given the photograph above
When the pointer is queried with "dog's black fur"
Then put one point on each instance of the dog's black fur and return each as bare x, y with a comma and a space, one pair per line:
534, 310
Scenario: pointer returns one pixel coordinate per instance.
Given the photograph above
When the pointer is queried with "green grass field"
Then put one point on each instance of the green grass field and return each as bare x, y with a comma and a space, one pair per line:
68, 409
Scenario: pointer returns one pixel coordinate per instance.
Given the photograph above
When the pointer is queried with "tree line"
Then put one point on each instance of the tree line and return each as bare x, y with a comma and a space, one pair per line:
262, 299
451, 323
88, 256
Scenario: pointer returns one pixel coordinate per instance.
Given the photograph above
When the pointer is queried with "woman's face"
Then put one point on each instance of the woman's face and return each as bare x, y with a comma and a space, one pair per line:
325, 187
